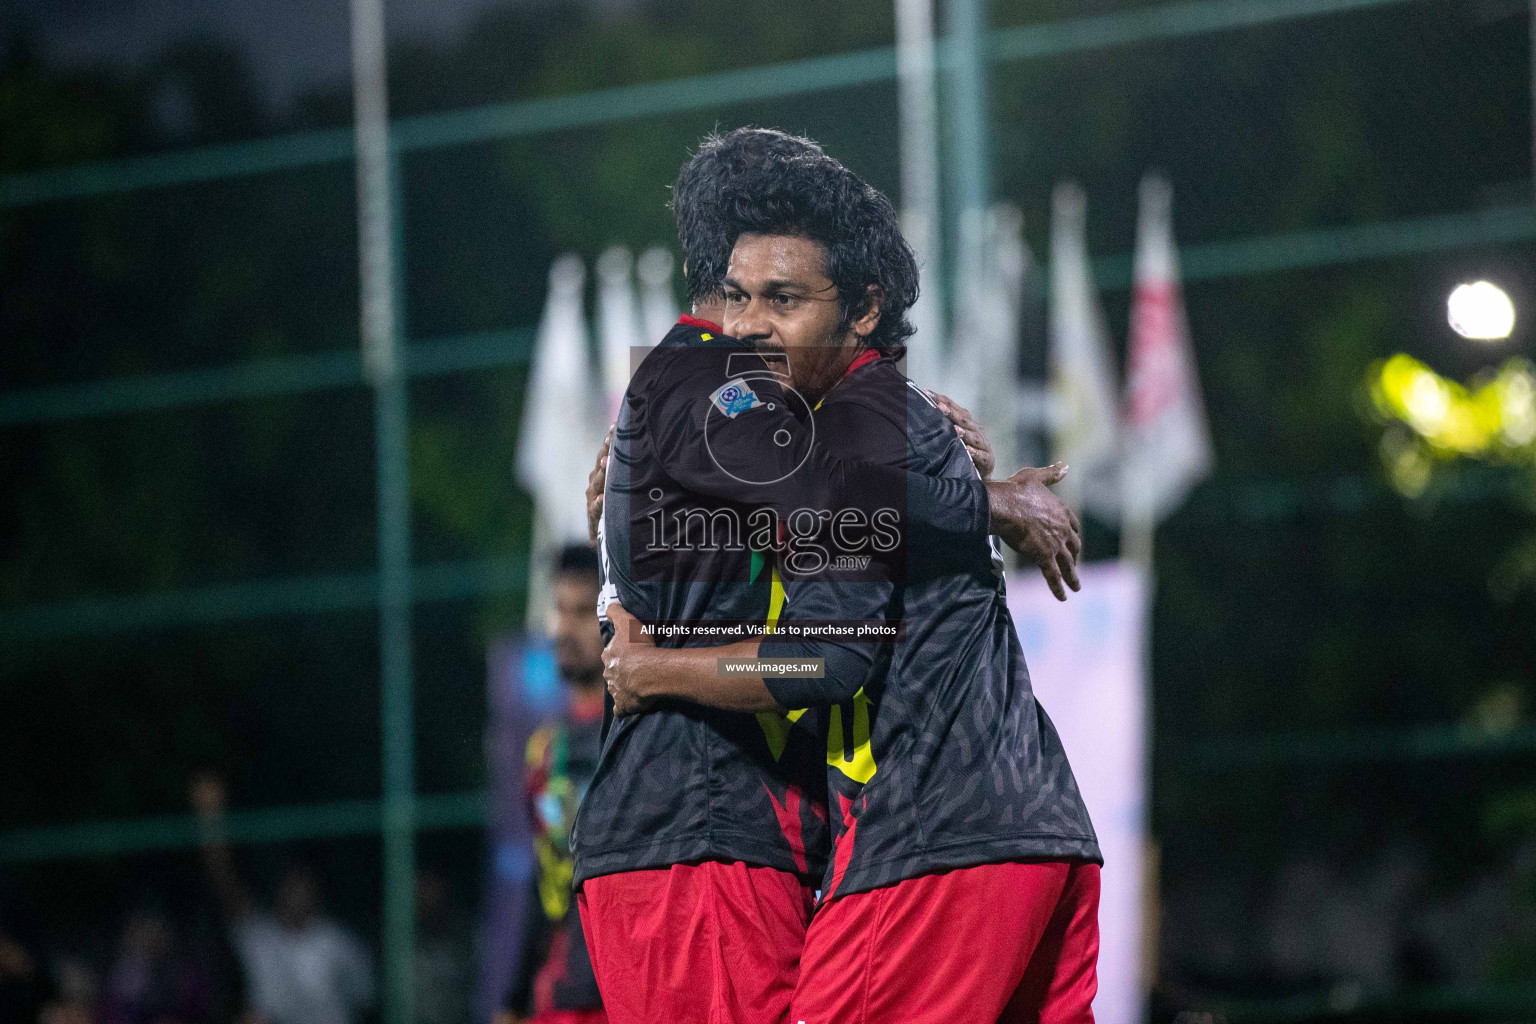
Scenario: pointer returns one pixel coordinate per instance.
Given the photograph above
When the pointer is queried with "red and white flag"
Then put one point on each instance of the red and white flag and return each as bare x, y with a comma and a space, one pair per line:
1167, 446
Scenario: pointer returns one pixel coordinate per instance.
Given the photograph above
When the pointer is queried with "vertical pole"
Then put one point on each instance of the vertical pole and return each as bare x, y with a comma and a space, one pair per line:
396, 712
1532, 71
375, 192
378, 243
920, 203
967, 62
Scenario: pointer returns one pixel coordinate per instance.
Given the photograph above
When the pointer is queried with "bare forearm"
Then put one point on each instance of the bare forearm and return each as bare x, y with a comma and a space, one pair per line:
1001, 503
692, 673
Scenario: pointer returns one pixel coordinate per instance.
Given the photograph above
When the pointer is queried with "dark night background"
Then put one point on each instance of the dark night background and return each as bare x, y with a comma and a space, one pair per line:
1297, 592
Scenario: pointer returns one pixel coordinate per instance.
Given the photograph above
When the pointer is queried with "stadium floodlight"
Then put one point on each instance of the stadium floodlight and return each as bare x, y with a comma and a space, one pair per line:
1480, 310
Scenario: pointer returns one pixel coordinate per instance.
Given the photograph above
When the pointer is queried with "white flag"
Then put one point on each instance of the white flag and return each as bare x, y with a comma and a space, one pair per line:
658, 302
983, 374
925, 349
561, 422
998, 399
1167, 448
1082, 378
619, 320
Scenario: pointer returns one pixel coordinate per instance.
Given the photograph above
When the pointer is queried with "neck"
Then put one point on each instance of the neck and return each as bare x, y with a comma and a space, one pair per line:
712, 310
836, 369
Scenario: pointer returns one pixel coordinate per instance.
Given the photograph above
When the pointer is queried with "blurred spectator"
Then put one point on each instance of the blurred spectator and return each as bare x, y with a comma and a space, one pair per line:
77, 997
25, 985
554, 982
443, 954
154, 980
300, 967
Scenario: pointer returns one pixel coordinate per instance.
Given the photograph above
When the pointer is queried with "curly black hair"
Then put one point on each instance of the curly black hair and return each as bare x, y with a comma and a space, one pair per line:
813, 196
721, 159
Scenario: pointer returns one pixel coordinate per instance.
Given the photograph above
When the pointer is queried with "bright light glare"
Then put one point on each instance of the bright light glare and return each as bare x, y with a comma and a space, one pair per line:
1519, 408
1494, 418
1428, 401
1480, 310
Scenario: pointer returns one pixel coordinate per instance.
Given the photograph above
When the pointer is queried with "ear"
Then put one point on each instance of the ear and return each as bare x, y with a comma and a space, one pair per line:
874, 297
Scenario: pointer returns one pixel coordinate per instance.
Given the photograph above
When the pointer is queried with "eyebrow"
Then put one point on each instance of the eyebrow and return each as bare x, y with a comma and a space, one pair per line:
780, 284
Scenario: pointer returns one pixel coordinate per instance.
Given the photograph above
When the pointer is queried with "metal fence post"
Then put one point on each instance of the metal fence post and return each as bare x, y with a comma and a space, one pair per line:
378, 232
966, 47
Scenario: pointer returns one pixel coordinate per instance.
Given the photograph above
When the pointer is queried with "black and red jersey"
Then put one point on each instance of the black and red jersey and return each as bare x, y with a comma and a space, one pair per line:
938, 755
712, 453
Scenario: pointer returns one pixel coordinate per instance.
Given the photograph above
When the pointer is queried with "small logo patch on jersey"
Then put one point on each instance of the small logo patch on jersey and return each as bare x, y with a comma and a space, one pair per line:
735, 398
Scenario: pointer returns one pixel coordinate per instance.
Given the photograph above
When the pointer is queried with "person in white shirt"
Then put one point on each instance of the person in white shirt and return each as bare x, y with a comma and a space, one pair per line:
300, 966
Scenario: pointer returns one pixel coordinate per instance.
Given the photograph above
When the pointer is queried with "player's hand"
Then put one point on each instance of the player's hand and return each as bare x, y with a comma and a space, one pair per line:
622, 659
596, 481
969, 431
1039, 525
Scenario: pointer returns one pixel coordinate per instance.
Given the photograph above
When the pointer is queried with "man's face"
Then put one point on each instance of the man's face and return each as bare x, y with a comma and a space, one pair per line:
578, 638
778, 297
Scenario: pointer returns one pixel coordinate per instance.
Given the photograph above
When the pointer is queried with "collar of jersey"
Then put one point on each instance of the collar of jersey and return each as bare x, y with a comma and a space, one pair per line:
707, 325
861, 360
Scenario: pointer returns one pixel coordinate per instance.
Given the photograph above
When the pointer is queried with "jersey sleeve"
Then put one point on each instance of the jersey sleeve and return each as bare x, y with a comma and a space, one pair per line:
847, 664
739, 437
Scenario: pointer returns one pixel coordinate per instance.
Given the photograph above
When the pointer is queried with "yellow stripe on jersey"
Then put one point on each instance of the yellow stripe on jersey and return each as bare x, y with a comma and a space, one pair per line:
861, 766
775, 599
775, 724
